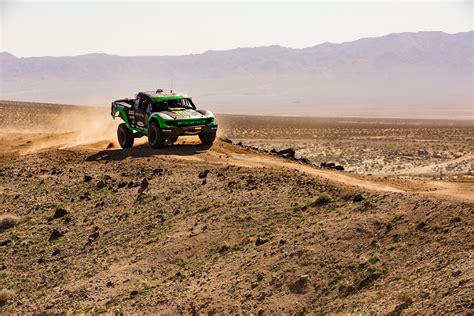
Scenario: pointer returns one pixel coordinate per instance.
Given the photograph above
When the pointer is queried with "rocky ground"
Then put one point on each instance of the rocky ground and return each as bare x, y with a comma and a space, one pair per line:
390, 147
192, 229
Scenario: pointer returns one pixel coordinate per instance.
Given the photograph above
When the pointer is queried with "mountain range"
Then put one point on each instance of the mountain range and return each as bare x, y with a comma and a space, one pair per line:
423, 74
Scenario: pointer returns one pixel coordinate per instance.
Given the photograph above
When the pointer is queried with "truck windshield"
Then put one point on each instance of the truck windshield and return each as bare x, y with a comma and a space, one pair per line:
171, 104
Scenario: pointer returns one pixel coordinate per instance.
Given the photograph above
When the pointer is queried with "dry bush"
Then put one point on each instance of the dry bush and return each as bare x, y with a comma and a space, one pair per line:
5, 296
322, 199
8, 221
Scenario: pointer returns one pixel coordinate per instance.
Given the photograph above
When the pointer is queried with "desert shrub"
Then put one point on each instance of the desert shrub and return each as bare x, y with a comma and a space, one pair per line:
357, 198
5, 296
224, 249
8, 221
456, 219
322, 199
422, 226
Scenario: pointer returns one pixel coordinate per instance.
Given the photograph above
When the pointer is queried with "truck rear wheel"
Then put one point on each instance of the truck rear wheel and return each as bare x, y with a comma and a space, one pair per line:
207, 138
125, 136
155, 136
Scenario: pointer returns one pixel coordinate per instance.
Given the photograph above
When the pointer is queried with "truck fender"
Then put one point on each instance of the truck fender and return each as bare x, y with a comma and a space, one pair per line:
120, 112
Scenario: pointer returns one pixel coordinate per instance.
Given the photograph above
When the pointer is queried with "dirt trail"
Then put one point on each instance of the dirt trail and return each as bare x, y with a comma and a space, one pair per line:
223, 153
458, 191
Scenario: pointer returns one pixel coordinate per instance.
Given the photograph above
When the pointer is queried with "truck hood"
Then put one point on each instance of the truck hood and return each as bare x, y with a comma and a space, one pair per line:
184, 114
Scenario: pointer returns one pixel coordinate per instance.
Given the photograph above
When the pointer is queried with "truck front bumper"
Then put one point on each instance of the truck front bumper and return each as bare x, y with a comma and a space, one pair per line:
189, 130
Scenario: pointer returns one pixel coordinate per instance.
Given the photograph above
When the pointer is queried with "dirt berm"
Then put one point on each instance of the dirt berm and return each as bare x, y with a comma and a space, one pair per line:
195, 230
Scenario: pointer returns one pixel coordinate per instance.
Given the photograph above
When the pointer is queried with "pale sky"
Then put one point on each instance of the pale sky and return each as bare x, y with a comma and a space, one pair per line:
37, 28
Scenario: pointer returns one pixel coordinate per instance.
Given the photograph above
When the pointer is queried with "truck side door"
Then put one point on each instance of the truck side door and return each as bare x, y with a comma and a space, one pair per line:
140, 107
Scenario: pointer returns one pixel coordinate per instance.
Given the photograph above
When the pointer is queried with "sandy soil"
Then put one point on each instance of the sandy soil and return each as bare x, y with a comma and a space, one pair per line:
219, 229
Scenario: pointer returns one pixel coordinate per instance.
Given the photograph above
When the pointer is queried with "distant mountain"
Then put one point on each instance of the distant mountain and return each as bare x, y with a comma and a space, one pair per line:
403, 74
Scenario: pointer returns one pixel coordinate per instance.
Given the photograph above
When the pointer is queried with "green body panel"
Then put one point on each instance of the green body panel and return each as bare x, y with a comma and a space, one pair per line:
123, 115
161, 121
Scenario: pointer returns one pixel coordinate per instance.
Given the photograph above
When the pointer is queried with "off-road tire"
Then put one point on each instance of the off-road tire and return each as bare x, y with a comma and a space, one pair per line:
155, 136
207, 138
125, 136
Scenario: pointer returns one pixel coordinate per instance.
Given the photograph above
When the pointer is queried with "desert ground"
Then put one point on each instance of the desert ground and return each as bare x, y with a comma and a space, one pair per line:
86, 227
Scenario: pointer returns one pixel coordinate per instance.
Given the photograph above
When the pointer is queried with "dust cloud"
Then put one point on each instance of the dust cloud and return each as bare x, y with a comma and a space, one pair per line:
36, 128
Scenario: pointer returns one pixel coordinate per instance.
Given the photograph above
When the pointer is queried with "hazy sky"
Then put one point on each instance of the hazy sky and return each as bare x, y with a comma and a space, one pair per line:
37, 28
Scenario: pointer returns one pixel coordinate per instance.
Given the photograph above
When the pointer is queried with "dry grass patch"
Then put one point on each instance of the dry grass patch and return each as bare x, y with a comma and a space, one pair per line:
5, 296
8, 221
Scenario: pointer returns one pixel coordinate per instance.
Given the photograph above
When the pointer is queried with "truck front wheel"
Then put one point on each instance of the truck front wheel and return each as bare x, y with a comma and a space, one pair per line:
125, 136
155, 136
207, 138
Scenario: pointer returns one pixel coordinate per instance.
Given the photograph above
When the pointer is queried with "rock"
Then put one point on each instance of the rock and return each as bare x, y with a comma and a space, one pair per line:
203, 174
100, 184
304, 160
94, 236
55, 234
87, 178
58, 213
109, 284
340, 168
456, 273
5, 242
357, 198
121, 184
260, 241
99, 204
56, 252
226, 140
287, 153
323, 165
143, 186
274, 151
299, 286
85, 196
134, 293
41, 260
330, 165
158, 171
399, 308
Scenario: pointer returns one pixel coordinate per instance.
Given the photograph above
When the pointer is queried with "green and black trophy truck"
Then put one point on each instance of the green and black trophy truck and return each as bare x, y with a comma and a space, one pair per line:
162, 117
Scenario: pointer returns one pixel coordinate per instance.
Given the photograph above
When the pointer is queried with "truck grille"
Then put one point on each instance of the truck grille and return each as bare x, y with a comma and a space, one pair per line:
189, 122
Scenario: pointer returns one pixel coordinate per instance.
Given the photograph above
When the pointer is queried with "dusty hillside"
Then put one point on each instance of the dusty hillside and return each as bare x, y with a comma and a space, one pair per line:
212, 237
87, 227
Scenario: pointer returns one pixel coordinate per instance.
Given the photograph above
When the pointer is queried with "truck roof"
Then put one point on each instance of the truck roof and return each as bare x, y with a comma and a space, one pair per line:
160, 95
